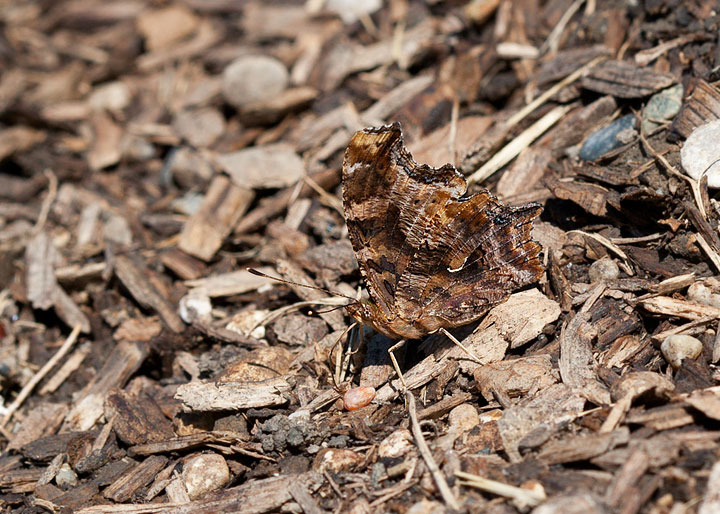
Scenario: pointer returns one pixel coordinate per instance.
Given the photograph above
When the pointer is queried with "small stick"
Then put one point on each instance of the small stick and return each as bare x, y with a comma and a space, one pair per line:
25, 392
331, 200
47, 203
521, 497
553, 41
422, 446
694, 184
452, 143
522, 113
522, 141
712, 254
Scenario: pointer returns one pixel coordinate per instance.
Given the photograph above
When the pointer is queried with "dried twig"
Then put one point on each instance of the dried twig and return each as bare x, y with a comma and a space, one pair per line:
437, 475
694, 184
522, 113
607, 244
47, 202
553, 41
521, 497
35, 380
712, 254
522, 141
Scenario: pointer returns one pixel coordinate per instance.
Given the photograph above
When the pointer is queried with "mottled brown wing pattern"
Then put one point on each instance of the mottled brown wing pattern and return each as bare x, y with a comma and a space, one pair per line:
431, 258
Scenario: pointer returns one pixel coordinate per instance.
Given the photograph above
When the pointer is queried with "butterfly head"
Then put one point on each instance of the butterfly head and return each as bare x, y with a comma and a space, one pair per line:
363, 311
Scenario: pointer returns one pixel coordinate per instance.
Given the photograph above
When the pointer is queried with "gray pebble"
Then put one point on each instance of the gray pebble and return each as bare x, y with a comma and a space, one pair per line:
603, 270
66, 477
662, 106
607, 138
253, 78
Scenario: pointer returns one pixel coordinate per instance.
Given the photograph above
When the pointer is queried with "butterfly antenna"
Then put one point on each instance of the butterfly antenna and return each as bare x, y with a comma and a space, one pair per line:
265, 275
330, 309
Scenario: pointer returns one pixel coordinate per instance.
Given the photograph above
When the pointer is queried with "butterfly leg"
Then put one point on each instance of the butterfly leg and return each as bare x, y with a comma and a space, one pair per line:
462, 346
394, 347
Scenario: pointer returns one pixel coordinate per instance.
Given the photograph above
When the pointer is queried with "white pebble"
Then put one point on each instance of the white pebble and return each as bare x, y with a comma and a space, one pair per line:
701, 151
204, 473
700, 293
677, 347
396, 444
195, 306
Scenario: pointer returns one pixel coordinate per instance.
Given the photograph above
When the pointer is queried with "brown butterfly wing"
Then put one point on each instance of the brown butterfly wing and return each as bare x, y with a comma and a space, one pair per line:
430, 257
490, 256
388, 204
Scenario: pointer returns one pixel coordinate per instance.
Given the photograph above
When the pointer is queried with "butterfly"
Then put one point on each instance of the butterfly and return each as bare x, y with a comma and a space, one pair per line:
431, 257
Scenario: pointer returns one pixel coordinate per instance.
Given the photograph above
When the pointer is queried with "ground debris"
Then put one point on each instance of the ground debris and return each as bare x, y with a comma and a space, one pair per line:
154, 154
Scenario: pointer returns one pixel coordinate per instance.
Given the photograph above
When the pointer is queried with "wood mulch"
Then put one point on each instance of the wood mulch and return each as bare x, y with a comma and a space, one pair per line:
150, 152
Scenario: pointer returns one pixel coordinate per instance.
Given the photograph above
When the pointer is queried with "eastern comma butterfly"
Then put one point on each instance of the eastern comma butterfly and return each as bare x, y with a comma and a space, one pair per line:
431, 257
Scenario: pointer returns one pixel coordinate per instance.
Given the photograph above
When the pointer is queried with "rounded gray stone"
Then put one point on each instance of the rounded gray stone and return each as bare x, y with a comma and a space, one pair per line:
253, 78
603, 270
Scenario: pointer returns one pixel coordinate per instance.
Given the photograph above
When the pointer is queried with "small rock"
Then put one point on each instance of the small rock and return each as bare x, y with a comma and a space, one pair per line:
662, 106
425, 506
117, 229
112, 96
279, 432
338, 441
675, 348
248, 323
337, 460
300, 415
268, 166
463, 418
204, 473
188, 168
199, 127
396, 444
358, 397
253, 78
195, 306
603, 270
66, 477
700, 153
352, 10
607, 138
700, 293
